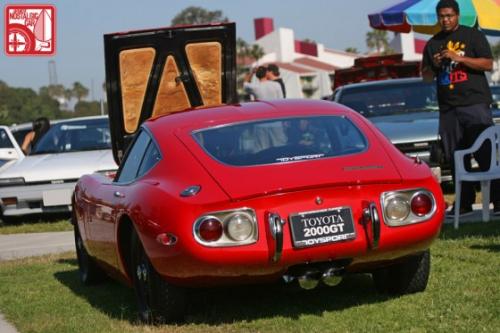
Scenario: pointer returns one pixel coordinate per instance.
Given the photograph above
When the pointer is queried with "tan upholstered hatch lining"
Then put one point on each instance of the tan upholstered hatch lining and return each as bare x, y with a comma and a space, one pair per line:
205, 61
135, 67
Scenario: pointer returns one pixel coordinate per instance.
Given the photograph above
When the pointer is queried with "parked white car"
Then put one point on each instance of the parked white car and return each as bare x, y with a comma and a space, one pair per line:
43, 181
10, 151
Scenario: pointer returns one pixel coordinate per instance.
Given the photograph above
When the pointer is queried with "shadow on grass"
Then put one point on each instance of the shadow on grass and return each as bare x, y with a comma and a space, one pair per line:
33, 219
478, 229
226, 305
489, 248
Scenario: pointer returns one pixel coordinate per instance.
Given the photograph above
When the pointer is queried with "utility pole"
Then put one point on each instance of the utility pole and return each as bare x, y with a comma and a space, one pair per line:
52, 73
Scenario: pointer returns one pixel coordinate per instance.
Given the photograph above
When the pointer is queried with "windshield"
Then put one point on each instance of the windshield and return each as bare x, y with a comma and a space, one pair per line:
87, 134
282, 140
392, 99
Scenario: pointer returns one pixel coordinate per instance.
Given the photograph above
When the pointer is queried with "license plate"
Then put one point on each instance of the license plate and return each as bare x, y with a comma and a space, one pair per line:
57, 197
322, 226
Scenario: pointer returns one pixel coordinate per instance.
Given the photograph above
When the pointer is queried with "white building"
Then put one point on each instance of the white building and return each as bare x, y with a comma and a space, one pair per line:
307, 67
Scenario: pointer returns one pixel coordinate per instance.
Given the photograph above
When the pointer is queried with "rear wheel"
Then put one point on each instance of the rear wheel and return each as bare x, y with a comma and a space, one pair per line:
407, 277
88, 270
158, 301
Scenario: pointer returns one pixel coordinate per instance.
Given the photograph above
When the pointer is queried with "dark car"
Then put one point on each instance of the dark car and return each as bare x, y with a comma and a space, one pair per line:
406, 111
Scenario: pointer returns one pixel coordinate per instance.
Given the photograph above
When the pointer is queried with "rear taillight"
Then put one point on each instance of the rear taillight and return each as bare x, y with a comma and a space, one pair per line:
421, 204
407, 206
210, 229
234, 227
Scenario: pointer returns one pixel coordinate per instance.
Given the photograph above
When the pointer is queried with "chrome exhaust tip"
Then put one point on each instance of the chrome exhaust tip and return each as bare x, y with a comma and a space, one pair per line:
309, 280
331, 277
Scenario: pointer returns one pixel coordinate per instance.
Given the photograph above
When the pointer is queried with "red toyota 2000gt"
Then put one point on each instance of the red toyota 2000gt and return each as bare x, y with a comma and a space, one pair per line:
210, 192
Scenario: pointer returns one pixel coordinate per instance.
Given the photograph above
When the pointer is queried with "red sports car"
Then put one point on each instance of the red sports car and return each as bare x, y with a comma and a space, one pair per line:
210, 192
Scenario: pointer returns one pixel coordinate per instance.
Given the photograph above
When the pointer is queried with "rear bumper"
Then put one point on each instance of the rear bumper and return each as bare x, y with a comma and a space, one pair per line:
36, 199
255, 263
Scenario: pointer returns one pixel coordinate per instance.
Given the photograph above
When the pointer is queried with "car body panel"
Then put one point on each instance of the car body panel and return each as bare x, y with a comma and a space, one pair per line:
154, 205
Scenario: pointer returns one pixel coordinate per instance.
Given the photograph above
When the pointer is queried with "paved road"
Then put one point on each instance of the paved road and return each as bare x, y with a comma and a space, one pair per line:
28, 245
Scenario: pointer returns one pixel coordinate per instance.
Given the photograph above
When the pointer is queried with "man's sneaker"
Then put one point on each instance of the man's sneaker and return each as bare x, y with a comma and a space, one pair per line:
496, 208
464, 211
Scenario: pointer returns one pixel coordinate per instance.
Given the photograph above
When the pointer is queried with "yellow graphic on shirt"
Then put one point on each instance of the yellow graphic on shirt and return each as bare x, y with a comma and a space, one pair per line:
450, 74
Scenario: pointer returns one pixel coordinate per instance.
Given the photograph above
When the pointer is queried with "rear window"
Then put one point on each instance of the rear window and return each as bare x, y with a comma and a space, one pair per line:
282, 140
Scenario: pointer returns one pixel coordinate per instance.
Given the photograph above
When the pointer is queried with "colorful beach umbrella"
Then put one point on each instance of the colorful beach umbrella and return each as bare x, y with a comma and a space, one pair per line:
420, 16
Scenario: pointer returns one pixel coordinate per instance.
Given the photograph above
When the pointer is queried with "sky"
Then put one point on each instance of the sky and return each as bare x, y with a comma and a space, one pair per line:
80, 25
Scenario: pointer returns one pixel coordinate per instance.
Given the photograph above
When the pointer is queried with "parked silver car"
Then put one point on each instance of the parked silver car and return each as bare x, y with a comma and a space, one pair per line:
406, 111
44, 180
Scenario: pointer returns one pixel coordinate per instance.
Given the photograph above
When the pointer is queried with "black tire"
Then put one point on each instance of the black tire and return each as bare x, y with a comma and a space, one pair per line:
407, 277
158, 301
88, 270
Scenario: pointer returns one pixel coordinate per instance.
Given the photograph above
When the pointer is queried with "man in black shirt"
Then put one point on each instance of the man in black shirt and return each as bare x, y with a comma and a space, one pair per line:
458, 56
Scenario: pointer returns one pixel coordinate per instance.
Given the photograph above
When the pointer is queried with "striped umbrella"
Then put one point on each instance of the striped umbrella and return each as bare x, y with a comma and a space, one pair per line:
420, 16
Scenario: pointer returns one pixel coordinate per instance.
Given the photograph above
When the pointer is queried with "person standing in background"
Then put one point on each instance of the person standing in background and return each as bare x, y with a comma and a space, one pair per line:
264, 89
39, 127
273, 74
457, 57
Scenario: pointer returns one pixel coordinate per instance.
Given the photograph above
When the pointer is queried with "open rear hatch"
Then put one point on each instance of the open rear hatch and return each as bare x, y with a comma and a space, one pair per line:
160, 71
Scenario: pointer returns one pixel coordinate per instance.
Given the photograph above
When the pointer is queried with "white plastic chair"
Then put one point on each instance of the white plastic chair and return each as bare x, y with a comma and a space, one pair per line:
493, 134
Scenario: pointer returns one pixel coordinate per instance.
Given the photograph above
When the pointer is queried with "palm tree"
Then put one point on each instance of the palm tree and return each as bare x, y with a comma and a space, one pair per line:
79, 91
256, 52
242, 47
377, 39
198, 15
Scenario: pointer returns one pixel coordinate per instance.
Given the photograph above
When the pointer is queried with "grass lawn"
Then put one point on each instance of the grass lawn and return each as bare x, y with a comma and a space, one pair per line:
43, 295
59, 222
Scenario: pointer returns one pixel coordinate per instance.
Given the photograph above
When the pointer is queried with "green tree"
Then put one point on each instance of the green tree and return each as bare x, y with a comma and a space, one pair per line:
79, 91
242, 47
198, 15
256, 52
351, 50
84, 108
20, 105
377, 39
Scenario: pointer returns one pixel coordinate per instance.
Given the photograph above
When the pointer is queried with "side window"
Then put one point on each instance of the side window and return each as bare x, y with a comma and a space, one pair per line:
133, 161
150, 158
5, 140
